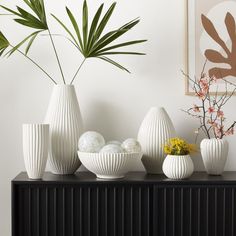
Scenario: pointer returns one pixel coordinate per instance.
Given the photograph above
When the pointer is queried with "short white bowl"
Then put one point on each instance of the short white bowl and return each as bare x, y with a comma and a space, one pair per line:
109, 165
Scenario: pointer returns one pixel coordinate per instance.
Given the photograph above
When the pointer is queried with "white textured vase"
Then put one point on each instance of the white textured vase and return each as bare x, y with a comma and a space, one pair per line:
65, 121
214, 154
35, 149
178, 167
155, 130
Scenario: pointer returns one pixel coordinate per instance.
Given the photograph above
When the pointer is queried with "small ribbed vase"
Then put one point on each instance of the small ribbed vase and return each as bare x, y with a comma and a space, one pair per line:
178, 167
155, 130
65, 121
35, 149
214, 154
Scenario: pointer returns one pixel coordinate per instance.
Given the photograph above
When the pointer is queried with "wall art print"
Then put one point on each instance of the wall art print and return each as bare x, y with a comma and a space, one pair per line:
211, 36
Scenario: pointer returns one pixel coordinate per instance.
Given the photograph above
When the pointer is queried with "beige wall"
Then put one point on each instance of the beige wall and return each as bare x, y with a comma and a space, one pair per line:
112, 102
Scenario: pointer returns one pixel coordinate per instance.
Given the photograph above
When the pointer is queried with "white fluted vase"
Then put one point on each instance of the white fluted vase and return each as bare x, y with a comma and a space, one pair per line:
65, 121
178, 167
155, 130
214, 154
35, 149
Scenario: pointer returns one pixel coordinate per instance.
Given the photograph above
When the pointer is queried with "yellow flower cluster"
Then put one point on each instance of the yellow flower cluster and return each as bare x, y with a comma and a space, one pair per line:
178, 147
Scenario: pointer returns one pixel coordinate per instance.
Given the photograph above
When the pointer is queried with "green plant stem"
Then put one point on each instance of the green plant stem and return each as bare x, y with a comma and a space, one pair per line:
78, 70
58, 61
36, 65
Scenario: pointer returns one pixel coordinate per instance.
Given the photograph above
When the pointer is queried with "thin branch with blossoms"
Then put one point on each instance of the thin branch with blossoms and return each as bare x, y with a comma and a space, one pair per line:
209, 112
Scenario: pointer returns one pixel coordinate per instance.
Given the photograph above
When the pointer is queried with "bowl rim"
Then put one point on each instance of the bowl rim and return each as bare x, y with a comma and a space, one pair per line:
113, 154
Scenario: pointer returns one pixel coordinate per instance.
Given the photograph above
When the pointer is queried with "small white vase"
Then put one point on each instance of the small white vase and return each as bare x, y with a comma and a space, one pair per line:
155, 130
35, 149
178, 167
65, 121
214, 154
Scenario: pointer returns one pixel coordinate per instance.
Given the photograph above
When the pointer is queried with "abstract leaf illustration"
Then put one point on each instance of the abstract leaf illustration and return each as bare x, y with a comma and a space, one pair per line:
215, 56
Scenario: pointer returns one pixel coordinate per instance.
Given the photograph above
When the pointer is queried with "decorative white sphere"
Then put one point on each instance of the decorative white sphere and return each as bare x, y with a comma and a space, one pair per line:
112, 148
114, 142
131, 145
91, 141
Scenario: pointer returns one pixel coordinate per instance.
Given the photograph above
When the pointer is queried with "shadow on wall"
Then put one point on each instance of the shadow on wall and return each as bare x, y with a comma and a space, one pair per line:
102, 117
188, 128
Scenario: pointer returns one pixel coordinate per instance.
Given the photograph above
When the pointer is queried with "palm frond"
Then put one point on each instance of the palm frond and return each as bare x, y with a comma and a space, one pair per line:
104, 21
76, 27
4, 43
93, 27
30, 37
113, 63
92, 41
37, 21
85, 25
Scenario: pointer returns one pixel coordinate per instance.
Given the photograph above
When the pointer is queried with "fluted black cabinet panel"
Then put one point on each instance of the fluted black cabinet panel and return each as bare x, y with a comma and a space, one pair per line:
139, 205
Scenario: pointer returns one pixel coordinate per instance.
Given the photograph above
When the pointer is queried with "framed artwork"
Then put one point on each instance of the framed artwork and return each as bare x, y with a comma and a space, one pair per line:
211, 38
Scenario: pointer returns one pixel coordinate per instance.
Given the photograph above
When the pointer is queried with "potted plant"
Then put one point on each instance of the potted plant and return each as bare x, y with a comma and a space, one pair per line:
178, 163
212, 121
63, 113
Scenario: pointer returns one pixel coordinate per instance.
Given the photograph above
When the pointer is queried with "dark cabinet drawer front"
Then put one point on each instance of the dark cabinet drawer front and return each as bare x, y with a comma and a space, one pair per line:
80, 211
194, 211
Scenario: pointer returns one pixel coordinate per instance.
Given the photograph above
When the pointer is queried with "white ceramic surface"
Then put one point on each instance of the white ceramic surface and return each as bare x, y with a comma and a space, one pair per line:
114, 142
155, 130
112, 148
35, 149
65, 121
178, 167
131, 145
214, 154
91, 141
109, 165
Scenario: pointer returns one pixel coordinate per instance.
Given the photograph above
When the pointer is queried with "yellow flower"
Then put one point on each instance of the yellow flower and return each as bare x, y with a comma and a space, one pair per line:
178, 146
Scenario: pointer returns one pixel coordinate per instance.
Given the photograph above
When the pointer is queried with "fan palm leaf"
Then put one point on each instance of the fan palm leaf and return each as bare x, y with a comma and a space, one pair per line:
37, 21
92, 41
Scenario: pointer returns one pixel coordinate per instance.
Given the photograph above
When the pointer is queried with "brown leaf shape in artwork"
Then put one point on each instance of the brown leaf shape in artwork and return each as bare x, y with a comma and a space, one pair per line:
217, 57
220, 72
230, 25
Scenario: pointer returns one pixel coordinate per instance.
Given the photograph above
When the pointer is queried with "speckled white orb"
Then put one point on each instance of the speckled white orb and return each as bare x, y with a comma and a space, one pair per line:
114, 142
112, 148
131, 145
91, 142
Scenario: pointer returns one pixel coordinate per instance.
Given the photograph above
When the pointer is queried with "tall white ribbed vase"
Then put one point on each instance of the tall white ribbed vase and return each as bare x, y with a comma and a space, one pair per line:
65, 121
35, 149
155, 130
214, 154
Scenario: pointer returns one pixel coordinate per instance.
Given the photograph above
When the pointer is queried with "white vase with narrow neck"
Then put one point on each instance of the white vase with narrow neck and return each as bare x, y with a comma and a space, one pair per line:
214, 155
65, 121
154, 132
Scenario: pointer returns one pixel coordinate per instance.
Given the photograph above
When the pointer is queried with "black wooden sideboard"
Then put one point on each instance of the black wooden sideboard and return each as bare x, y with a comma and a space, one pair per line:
139, 205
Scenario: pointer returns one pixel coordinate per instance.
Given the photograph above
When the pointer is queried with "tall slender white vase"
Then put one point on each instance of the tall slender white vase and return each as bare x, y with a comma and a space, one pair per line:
214, 154
65, 121
35, 149
155, 130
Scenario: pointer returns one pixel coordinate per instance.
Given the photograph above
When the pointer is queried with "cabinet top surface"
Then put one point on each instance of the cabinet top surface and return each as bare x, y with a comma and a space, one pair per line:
132, 177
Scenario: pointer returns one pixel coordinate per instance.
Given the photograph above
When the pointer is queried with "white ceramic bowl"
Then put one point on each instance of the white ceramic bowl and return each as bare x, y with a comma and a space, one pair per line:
109, 165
